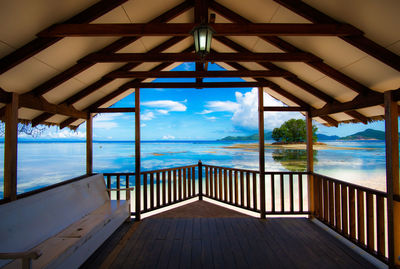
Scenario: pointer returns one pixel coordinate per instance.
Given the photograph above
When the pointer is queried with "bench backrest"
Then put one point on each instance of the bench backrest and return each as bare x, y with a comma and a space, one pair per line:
29, 221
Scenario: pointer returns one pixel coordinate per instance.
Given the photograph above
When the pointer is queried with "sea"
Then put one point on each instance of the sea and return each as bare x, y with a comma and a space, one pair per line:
43, 163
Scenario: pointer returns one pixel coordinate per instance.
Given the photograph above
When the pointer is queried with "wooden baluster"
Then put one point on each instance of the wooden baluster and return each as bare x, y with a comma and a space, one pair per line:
273, 192
211, 182
194, 181
255, 191
118, 187
380, 224
216, 183
230, 187
175, 186
151, 191
158, 192
220, 183
352, 212
360, 217
236, 187
317, 191
145, 191
248, 190
189, 181
207, 184
184, 183
337, 207
225, 186
370, 222
345, 228
164, 188
291, 191
282, 193
169, 187
127, 192
242, 188
326, 205
331, 204
109, 185
180, 184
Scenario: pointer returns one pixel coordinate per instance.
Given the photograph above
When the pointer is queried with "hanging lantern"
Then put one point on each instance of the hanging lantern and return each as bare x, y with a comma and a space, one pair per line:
202, 35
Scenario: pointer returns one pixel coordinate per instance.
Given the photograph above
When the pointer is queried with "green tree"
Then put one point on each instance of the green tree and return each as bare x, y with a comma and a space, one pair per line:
293, 131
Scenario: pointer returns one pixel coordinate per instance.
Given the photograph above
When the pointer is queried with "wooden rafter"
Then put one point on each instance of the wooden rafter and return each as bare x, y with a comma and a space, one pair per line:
184, 29
104, 80
318, 64
95, 11
113, 47
114, 110
189, 85
359, 41
199, 74
192, 57
286, 108
296, 81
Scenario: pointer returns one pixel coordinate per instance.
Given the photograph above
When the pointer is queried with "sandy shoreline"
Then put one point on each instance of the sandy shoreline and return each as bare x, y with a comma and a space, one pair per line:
318, 146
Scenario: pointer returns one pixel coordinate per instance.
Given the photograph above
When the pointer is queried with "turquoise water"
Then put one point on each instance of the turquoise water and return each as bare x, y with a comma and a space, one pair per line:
44, 163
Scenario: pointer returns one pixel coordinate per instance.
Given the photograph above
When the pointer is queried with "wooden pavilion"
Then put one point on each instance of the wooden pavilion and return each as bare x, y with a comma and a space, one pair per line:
335, 61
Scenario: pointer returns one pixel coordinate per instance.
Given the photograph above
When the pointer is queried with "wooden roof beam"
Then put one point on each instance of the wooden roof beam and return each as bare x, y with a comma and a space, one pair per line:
39, 103
199, 74
296, 81
184, 29
95, 11
192, 57
359, 41
361, 101
113, 110
104, 81
189, 85
318, 64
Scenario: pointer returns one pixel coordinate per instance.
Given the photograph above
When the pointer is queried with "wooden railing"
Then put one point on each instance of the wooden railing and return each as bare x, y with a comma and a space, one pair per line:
285, 192
356, 212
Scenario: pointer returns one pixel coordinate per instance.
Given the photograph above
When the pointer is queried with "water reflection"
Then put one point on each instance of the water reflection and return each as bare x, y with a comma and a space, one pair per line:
294, 160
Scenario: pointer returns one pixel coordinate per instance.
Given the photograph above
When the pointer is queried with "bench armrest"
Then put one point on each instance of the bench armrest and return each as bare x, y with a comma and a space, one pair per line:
26, 257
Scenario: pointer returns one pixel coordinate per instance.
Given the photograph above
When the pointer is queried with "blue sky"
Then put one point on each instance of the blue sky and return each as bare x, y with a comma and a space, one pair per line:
194, 114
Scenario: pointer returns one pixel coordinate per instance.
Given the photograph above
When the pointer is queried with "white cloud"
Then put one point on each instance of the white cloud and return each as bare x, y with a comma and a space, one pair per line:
106, 121
165, 106
66, 134
205, 111
211, 118
143, 125
147, 116
245, 110
168, 137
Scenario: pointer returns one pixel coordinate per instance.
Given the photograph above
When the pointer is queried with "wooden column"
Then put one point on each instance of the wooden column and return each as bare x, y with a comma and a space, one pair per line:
392, 178
89, 144
310, 163
137, 154
10, 149
261, 150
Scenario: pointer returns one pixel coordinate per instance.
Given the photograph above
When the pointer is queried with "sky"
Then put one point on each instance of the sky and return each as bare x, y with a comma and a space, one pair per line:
193, 114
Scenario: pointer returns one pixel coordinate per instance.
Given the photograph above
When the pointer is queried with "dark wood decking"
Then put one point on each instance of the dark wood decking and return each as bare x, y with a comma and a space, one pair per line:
202, 235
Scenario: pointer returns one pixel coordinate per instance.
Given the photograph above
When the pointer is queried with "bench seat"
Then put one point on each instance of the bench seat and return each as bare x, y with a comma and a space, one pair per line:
71, 246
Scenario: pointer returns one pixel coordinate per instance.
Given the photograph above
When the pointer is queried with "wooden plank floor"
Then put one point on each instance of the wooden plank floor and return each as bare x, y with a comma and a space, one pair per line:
214, 237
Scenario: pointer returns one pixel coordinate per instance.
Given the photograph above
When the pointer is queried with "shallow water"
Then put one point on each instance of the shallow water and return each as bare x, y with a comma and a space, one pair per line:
44, 163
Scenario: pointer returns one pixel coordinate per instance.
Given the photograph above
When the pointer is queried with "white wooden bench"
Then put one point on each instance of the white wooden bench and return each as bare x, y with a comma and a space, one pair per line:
64, 225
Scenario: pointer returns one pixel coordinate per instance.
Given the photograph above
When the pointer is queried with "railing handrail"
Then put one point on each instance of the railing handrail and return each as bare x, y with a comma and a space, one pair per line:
359, 187
231, 168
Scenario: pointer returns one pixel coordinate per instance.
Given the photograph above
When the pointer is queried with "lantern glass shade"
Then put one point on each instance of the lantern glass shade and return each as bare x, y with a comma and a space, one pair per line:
202, 35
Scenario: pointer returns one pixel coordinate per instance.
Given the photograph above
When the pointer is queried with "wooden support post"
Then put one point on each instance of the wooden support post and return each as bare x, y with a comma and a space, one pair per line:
200, 180
89, 144
392, 178
310, 164
261, 150
137, 154
10, 149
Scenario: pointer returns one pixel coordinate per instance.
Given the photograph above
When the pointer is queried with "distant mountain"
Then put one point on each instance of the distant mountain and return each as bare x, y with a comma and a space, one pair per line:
327, 137
253, 137
369, 134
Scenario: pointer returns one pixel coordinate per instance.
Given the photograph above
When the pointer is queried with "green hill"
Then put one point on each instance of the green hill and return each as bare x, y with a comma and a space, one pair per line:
368, 134
253, 137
